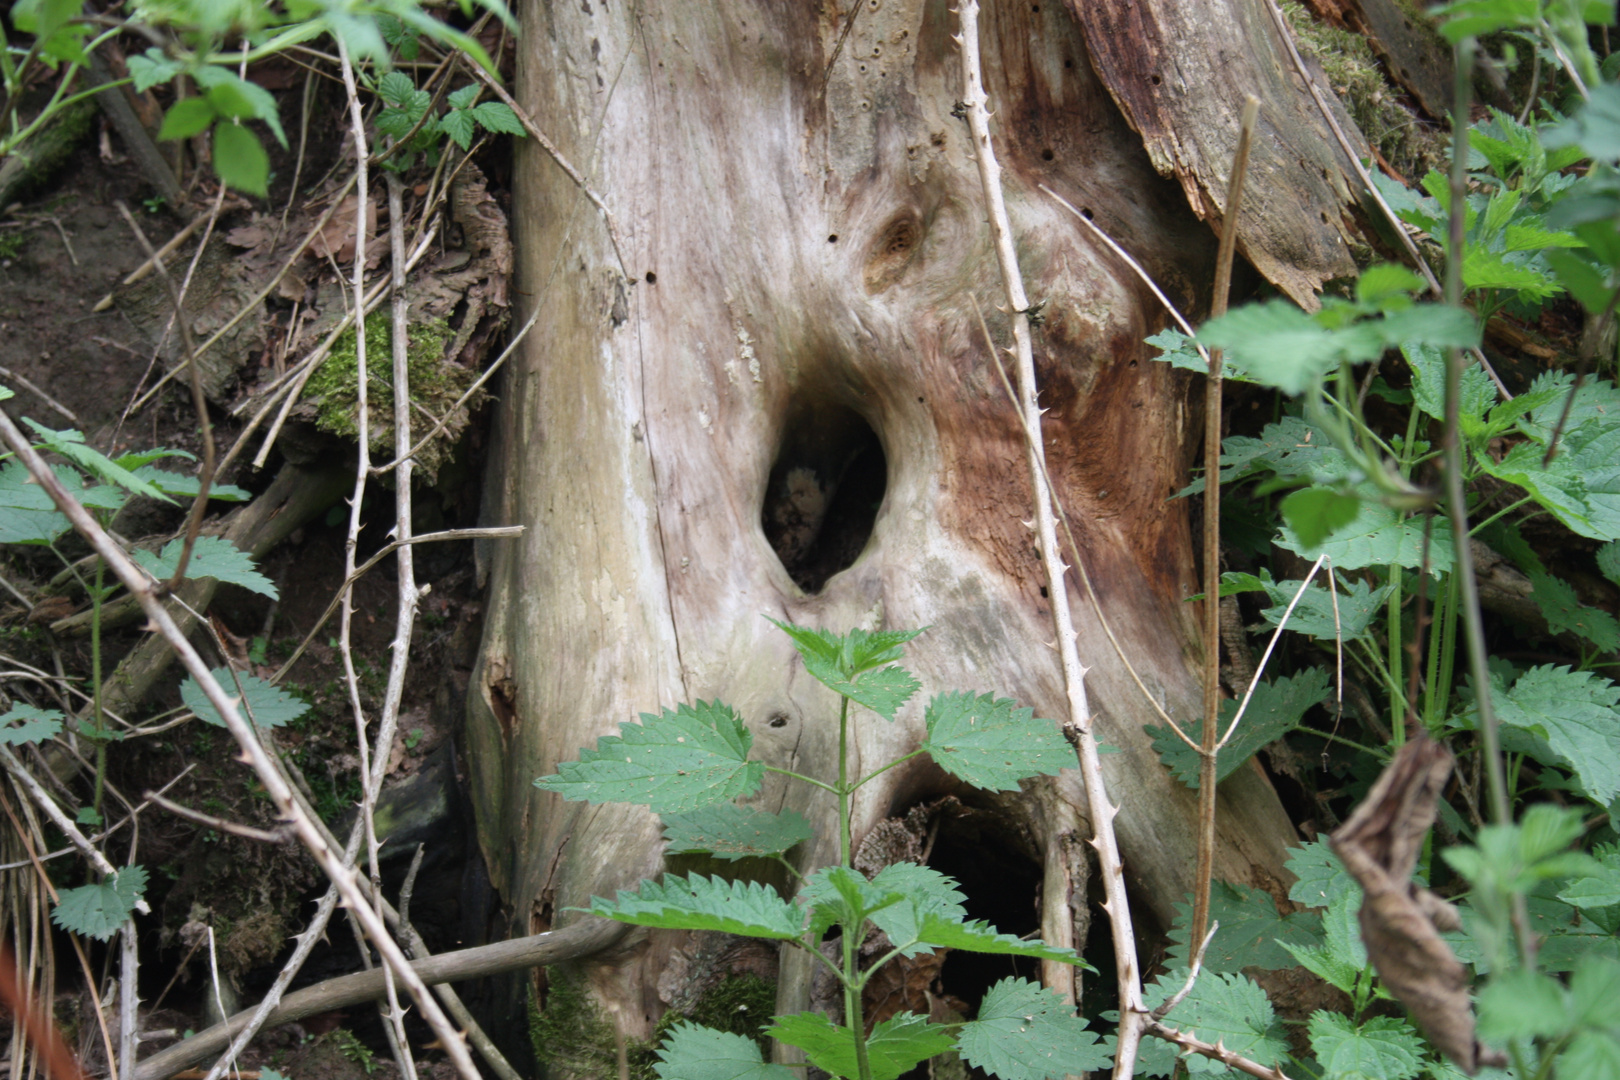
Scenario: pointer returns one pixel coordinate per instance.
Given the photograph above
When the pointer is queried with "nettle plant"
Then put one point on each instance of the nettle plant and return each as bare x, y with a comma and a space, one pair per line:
28, 518
690, 765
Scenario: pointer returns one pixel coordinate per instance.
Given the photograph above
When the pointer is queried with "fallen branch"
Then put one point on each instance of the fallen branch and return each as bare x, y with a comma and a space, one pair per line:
570, 943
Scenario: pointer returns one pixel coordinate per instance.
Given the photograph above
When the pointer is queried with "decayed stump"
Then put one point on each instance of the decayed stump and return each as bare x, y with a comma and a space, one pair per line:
797, 348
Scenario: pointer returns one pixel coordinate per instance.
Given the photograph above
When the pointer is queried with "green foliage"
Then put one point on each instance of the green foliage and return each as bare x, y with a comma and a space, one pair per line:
991, 743
1276, 708
1230, 1009
407, 118
729, 831
675, 762
1382, 1048
687, 764
1026, 1032
99, 910
211, 557
267, 706
1252, 933
1572, 715
25, 724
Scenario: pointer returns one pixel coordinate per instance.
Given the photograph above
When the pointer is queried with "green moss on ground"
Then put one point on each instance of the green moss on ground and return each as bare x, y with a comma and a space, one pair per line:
436, 385
575, 1041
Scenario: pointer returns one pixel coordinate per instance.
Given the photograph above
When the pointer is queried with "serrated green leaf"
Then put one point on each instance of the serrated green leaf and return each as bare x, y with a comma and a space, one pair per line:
1598, 399
498, 117
269, 706
1025, 1032
240, 160
211, 557
1378, 536
700, 903
99, 910
693, 1052
396, 88
463, 98
1574, 711
23, 723
883, 691
185, 118
837, 895
729, 831
1591, 1055
458, 124
1521, 1004
1594, 993
1229, 1009
235, 98
951, 932
1608, 561
675, 762
1478, 393
1320, 878
1332, 969
186, 487
1290, 447
1381, 1048
71, 445
1347, 614
925, 891
990, 742
27, 515
1252, 934
848, 662
1599, 887
151, 68
1564, 611
893, 1048
1276, 709
137, 458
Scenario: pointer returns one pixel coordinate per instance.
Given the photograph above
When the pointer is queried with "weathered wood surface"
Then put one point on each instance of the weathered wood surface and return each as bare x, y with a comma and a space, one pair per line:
802, 216
1180, 71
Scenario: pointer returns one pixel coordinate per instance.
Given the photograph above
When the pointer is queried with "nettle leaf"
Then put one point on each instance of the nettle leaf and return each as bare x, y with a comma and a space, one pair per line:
729, 831
1315, 513
1599, 887
1563, 611
847, 663
186, 118
1558, 487
239, 99
925, 891
1478, 393
186, 487
99, 910
1356, 605
25, 724
1341, 958
674, 762
269, 706
1026, 1032
1598, 399
1252, 934
1290, 447
894, 1047
137, 458
27, 515
701, 903
1522, 1004
151, 68
71, 445
990, 742
693, 1052
1378, 536
1608, 561
1229, 1009
1574, 711
837, 895
211, 557
1276, 709
1382, 1048
950, 932
1320, 878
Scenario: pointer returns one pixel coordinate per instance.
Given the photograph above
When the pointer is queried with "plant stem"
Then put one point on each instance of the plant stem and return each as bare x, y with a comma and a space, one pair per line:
95, 685
843, 789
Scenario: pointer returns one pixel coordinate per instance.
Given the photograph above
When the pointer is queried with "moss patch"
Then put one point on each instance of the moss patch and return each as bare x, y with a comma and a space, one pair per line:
575, 1041
436, 385
1410, 145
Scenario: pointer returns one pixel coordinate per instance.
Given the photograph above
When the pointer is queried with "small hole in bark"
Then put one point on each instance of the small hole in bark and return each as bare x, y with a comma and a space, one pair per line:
1068, 65
1043, 592
1085, 212
832, 238
778, 720
1157, 80
1047, 155
652, 278
824, 492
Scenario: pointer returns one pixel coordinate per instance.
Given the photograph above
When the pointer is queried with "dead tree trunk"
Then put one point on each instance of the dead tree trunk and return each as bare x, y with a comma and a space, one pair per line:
789, 410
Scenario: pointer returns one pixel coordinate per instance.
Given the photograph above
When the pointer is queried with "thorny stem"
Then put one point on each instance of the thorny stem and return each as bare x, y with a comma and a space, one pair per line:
95, 684
1078, 728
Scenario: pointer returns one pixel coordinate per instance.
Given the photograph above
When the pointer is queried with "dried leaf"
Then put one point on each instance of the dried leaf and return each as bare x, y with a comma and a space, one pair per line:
1400, 922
